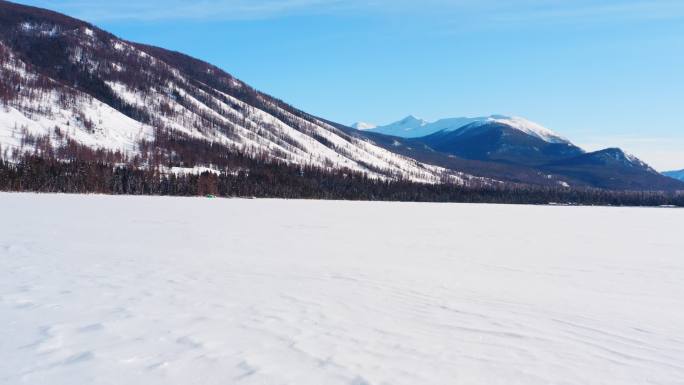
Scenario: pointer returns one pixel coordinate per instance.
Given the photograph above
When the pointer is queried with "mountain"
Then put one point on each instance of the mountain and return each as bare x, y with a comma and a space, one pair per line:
412, 127
67, 86
520, 124
517, 150
679, 175
416, 149
71, 92
498, 140
612, 168
363, 126
408, 127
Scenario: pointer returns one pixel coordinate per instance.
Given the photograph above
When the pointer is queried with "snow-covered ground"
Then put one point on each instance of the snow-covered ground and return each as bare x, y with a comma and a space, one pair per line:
125, 290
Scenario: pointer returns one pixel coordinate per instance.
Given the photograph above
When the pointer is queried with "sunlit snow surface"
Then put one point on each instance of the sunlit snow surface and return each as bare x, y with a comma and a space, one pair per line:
122, 290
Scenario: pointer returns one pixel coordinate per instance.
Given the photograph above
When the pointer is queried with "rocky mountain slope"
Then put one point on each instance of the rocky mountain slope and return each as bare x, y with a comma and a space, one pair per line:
612, 169
66, 83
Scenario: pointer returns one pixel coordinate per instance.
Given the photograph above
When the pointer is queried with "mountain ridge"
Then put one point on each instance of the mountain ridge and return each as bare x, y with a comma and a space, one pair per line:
413, 127
67, 80
677, 174
70, 90
496, 148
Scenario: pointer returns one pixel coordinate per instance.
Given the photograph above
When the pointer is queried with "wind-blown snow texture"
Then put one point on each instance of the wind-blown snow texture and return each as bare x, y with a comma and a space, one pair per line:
123, 290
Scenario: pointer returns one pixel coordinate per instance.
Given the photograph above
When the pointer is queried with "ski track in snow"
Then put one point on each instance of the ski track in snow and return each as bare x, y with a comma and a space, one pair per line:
140, 290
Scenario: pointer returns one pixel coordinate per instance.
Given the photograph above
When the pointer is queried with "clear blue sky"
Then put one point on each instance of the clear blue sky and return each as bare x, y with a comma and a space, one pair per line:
602, 73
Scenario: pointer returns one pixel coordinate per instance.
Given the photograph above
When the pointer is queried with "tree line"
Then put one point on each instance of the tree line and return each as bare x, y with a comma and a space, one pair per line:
275, 180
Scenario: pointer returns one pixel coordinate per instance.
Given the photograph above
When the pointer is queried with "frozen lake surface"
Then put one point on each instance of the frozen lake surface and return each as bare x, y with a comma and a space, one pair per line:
153, 290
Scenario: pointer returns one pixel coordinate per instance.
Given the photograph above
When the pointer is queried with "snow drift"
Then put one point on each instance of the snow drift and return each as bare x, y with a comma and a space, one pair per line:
101, 290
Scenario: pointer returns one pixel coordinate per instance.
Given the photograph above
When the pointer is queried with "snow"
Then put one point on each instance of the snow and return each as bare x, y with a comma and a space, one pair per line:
530, 128
363, 126
411, 127
26, 26
141, 290
111, 129
197, 170
638, 162
43, 29
452, 124
354, 155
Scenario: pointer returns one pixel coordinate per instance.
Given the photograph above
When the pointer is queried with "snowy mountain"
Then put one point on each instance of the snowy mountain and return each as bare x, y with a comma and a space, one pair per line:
679, 175
363, 126
511, 140
412, 127
610, 156
521, 124
409, 127
65, 84
516, 150
70, 91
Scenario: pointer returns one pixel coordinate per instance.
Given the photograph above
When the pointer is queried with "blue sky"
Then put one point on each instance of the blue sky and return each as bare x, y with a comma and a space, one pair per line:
602, 73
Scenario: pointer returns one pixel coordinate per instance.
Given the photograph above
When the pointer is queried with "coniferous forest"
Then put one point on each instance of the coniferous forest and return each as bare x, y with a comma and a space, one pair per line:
273, 180
70, 167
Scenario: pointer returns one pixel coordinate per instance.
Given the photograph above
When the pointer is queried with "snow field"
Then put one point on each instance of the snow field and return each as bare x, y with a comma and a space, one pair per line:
153, 290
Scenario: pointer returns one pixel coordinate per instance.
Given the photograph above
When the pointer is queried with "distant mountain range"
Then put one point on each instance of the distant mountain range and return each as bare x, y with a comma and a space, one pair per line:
516, 149
71, 91
412, 127
679, 175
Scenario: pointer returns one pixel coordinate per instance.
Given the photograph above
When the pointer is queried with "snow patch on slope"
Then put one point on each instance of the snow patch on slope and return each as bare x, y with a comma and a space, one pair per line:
110, 128
408, 127
529, 127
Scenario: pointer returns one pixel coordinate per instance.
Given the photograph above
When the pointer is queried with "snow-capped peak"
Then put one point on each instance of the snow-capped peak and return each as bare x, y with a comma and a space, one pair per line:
408, 127
363, 126
528, 127
412, 121
521, 124
413, 127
